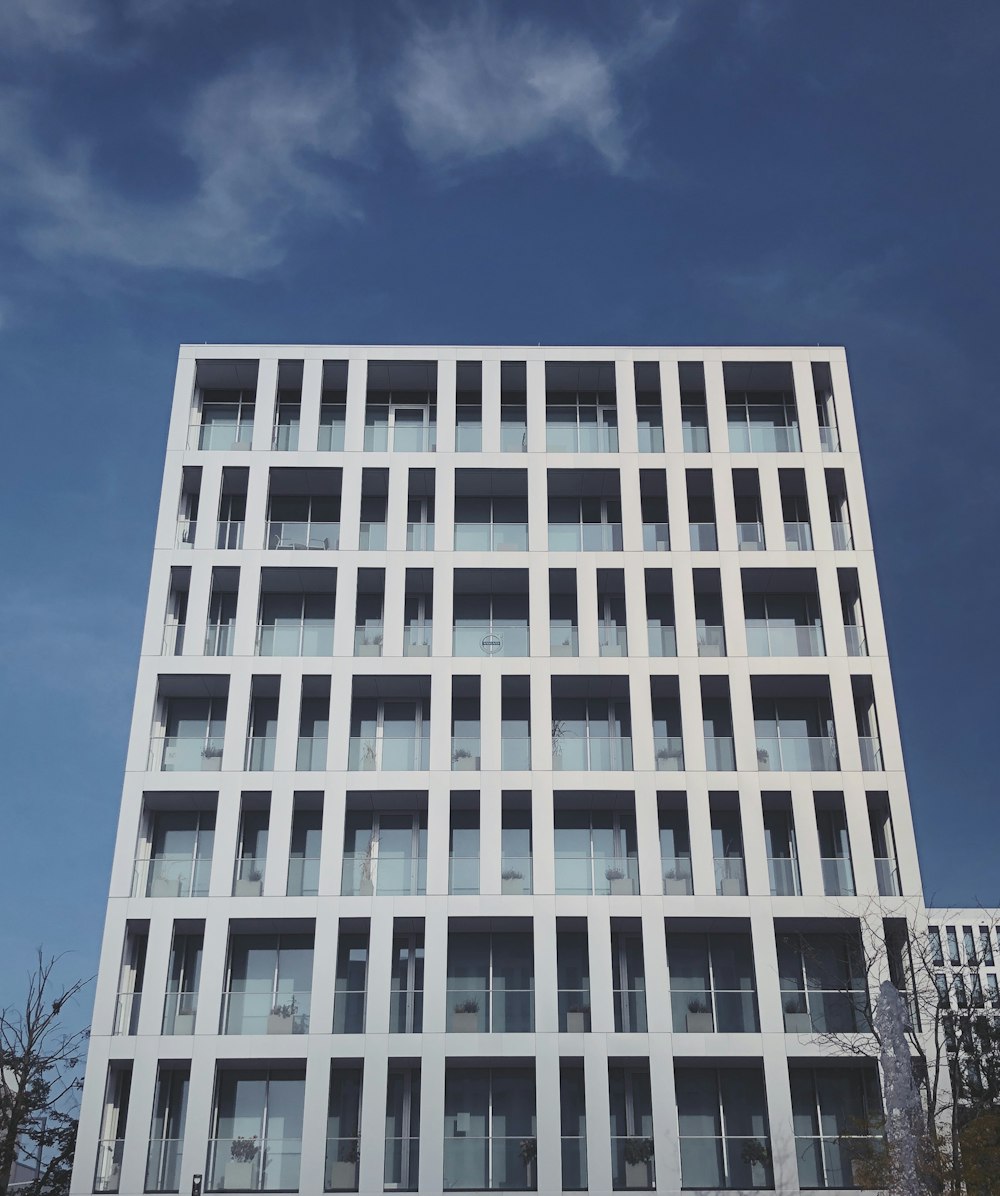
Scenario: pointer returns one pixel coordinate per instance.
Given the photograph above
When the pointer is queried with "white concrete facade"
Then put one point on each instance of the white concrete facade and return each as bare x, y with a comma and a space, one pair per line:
683, 813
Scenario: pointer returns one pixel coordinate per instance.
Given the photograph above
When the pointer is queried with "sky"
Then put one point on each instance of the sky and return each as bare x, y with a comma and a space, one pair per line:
685, 173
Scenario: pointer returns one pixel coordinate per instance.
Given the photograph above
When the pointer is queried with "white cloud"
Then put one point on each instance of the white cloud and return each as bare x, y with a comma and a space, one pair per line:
46, 24
473, 88
265, 141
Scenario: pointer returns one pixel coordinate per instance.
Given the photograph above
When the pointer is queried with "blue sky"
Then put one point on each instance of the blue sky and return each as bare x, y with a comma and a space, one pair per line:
507, 173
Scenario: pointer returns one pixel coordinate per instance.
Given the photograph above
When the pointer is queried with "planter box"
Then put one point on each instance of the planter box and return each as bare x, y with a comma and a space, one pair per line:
622, 888
732, 888
183, 1023
561, 650
465, 764
612, 650
368, 650
343, 1177
637, 1175
248, 888
675, 888
238, 1176
700, 1023
576, 1022
418, 649
276, 1024
465, 1023
513, 886
798, 1023
163, 886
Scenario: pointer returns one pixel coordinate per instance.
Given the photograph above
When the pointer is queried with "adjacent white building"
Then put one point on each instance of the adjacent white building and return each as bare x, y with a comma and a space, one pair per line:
513, 772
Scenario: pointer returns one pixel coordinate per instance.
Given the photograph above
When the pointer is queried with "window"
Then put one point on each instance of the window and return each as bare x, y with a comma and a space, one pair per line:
406, 994
712, 984
722, 1123
596, 852
343, 1128
384, 854
351, 983
256, 1141
834, 1110
491, 978
489, 1129
632, 1155
402, 1129
269, 984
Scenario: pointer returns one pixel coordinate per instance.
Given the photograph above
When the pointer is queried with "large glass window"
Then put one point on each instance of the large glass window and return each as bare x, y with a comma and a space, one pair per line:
270, 984
722, 1123
491, 980
834, 1112
632, 1154
384, 854
712, 984
596, 852
489, 1129
256, 1143
591, 734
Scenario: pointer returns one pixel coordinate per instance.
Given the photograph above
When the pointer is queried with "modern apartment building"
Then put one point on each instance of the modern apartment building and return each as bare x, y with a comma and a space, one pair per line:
513, 773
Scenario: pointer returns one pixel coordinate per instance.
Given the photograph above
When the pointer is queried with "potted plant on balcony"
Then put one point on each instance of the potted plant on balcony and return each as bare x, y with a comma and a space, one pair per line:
211, 754
668, 759
343, 1175
699, 1018
528, 1150
371, 644
281, 1019
577, 1017
239, 1175
757, 1156
563, 648
763, 759
462, 759
638, 1157
619, 884
511, 881
675, 885
466, 1019
797, 1019
250, 885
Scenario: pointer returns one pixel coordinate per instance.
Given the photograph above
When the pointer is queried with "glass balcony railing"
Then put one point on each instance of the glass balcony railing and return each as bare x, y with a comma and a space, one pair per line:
314, 637
592, 754
669, 751
730, 876
465, 753
871, 753
185, 753
596, 875
219, 639
127, 1009
798, 536
474, 1010
406, 1010
574, 1010
468, 436
331, 436
630, 1010
186, 531
825, 1011
580, 438
838, 876
772, 639
829, 440
368, 639
221, 436
171, 876
402, 753
515, 875
260, 753
564, 640
696, 1010
515, 753
662, 639
402, 1158
843, 541
678, 878
633, 1164
342, 1161
711, 640
763, 437
491, 537
612, 640
513, 435
489, 639
574, 1163
585, 537
750, 537
371, 537
724, 1163
489, 1164
420, 537
857, 645
173, 640
163, 1165
695, 437
831, 1162
656, 537
650, 438
720, 753
253, 1165
266, 1012
887, 875
248, 876
108, 1170
418, 639
703, 537
229, 533
299, 534
179, 1012
799, 753
463, 874
303, 876
783, 872
388, 874
285, 437
310, 753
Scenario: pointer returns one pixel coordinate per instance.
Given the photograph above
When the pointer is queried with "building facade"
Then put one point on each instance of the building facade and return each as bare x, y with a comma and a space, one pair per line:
513, 775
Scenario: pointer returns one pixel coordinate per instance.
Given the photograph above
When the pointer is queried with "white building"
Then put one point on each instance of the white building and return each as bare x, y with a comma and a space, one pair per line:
514, 757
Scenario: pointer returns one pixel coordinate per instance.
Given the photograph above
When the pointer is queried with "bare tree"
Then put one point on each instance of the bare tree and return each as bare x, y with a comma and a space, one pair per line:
39, 1082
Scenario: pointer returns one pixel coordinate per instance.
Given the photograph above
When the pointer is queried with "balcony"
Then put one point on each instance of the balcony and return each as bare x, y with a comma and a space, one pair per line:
308, 637
398, 753
171, 876
303, 876
187, 529
515, 876
887, 874
656, 537
612, 640
857, 645
564, 639
801, 753
185, 753
750, 537
632, 1164
229, 533
711, 640
838, 876
695, 437
108, 1170
760, 437
371, 537
489, 1164
179, 1012
402, 1156
669, 751
248, 876
221, 435
703, 537
843, 541
725, 1162
592, 754
730, 876
825, 1011
463, 875
163, 1165
783, 872
491, 537
219, 639
465, 753
798, 537
266, 1012
489, 639
260, 753
173, 640
678, 878
871, 753
829, 440
253, 1165
342, 1161
596, 875
585, 537
714, 1011
515, 753
127, 1009
720, 753
302, 535
311, 753
775, 639
420, 537
480, 1010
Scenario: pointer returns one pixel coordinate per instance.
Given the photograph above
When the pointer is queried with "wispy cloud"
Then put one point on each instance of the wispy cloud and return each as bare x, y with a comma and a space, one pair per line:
476, 87
46, 24
264, 141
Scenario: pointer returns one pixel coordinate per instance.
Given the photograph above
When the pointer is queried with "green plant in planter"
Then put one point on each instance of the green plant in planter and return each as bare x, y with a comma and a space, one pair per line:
511, 874
347, 1152
244, 1150
461, 754
697, 1007
286, 1011
756, 1152
469, 1006
580, 1007
528, 1149
638, 1150
614, 874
